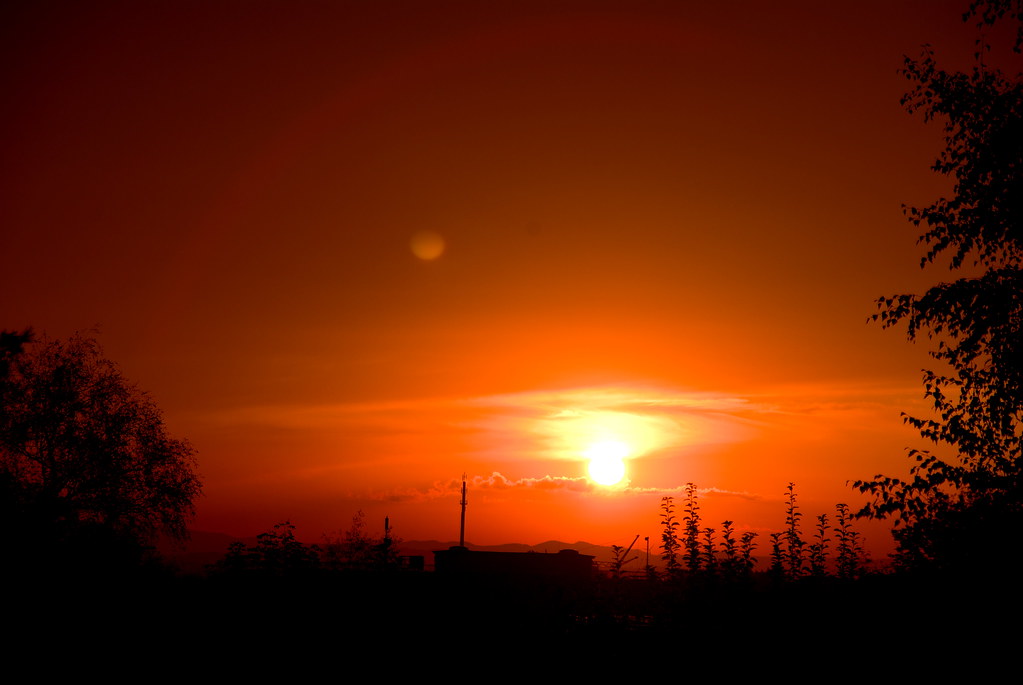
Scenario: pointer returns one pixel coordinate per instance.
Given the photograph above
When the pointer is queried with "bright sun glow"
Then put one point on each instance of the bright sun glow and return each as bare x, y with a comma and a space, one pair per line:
607, 461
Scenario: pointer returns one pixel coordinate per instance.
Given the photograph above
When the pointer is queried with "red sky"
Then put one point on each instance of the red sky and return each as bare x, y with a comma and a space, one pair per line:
664, 222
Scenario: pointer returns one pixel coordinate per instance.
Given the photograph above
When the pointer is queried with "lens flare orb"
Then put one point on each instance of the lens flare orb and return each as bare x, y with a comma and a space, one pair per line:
427, 245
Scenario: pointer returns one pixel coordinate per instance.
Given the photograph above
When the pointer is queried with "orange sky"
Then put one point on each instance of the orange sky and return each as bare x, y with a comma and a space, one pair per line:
662, 221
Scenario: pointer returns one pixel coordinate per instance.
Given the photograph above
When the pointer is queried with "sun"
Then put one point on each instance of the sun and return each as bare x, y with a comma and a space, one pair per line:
607, 461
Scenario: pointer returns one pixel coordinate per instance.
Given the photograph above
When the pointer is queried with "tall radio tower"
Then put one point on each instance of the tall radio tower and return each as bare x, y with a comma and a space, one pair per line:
461, 532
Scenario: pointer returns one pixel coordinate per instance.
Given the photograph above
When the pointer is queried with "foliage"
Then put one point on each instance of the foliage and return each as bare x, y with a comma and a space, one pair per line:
11, 346
356, 550
618, 559
276, 553
988, 12
793, 539
849, 551
791, 557
819, 547
81, 447
777, 569
691, 536
709, 557
747, 545
729, 550
669, 535
973, 320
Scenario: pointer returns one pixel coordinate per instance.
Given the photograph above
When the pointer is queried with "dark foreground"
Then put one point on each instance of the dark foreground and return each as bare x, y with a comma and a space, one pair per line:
408, 625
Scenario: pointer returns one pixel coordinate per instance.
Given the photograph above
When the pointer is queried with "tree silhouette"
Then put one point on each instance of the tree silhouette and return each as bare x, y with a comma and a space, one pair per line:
276, 554
956, 503
82, 449
356, 550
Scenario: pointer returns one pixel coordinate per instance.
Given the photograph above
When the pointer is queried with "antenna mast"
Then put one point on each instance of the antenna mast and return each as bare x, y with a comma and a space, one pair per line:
461, 532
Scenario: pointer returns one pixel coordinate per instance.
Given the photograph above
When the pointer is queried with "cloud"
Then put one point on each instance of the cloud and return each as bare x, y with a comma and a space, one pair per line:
497, 482
561, 424
408, 442
676, 413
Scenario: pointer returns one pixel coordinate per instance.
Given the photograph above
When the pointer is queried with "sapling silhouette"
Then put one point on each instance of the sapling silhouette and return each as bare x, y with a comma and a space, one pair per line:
619, 557
729, 552
709, 556
669, 535
691, 534
747, 545
848, 549
819, 548
793, 539
777, 569
737, 555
